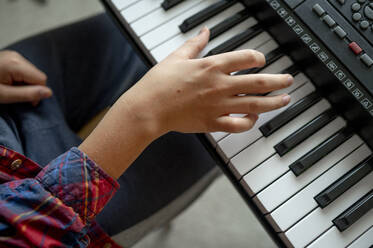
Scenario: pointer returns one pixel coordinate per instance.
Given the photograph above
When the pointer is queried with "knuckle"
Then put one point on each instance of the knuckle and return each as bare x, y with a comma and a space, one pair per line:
253, 106
13, 61
256, 57
250, 54
194, 42
205, 63
261, 82
210, 65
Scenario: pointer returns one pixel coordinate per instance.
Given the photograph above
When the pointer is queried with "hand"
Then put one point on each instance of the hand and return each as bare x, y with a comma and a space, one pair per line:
16, 70
186, 95
197, 95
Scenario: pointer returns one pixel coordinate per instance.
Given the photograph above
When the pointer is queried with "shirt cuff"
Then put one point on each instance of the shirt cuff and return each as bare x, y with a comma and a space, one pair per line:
79, 183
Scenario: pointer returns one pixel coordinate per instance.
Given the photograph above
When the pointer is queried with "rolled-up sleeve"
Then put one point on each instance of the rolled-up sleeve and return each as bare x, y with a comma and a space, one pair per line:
56, 207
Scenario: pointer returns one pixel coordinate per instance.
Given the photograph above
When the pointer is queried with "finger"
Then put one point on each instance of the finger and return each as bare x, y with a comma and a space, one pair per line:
16, 94
232, 124
238, 60
194, 46
257, 104
259, 83
22, 70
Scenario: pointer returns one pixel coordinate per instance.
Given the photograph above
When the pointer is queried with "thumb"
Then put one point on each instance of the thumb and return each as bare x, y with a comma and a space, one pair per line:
17, 94
194, 46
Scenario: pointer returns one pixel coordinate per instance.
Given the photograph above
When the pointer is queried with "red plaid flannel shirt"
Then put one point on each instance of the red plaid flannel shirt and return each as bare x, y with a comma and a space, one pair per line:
54, 206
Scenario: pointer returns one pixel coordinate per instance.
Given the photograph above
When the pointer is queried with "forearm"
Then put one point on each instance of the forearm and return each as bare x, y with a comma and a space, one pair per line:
119, 138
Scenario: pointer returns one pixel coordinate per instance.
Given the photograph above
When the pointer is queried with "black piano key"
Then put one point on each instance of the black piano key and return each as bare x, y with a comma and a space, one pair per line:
289, 114
205, 14
229, 23
292, 70
236, 41
355, 212
304, 132
271, 57
309, 159
341, 185
168, 4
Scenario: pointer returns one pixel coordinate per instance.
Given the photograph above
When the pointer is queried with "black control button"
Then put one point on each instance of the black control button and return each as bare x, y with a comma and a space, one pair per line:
318, 10
367, 60
368, 12
364, 24
356, 17
356, 7
340, 32
361, 1
341, 1
329, 21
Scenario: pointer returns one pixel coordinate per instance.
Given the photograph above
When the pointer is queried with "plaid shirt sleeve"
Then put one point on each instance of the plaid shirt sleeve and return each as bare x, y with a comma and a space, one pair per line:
54, 206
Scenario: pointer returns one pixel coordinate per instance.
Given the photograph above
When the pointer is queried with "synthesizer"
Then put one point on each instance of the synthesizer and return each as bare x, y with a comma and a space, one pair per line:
305, 170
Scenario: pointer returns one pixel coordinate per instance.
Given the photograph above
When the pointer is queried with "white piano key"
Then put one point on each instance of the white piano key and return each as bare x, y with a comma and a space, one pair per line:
268, 47
170, 29
235, 143
215, 137
122, 4
342, 239
262, 149
140, 9
335, 164
283, 188
259, 43
320, 220
278, 66
364, 240
160, 16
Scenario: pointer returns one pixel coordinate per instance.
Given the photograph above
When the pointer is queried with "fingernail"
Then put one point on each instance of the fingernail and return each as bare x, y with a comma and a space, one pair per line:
286, 99
290, 80
203, 30
45, 93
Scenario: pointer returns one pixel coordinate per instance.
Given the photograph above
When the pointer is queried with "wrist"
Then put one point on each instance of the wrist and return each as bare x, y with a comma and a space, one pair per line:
144, 112
120, 138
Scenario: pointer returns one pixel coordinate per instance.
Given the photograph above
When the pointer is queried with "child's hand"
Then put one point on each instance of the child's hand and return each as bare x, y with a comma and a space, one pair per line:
197, 95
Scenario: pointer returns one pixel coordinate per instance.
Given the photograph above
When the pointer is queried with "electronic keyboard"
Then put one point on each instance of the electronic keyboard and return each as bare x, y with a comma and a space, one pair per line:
305, 169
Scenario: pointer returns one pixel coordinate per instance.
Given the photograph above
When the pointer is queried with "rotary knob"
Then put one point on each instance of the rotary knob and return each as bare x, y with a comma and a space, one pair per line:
368, 11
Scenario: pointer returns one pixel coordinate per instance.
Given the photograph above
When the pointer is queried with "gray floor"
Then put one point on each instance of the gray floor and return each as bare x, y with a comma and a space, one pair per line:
219, 218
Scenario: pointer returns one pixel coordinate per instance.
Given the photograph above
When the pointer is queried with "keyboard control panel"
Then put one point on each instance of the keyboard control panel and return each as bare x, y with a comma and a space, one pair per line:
335, 41
359, 13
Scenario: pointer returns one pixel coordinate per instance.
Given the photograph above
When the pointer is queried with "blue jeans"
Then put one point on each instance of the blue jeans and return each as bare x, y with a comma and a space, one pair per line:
89, 65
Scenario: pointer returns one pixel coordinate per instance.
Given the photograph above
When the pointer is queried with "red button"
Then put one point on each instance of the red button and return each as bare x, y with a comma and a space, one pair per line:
355, 48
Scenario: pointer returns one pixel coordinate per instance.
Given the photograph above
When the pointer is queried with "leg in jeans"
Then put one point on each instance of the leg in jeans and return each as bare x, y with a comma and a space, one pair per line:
89, 64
